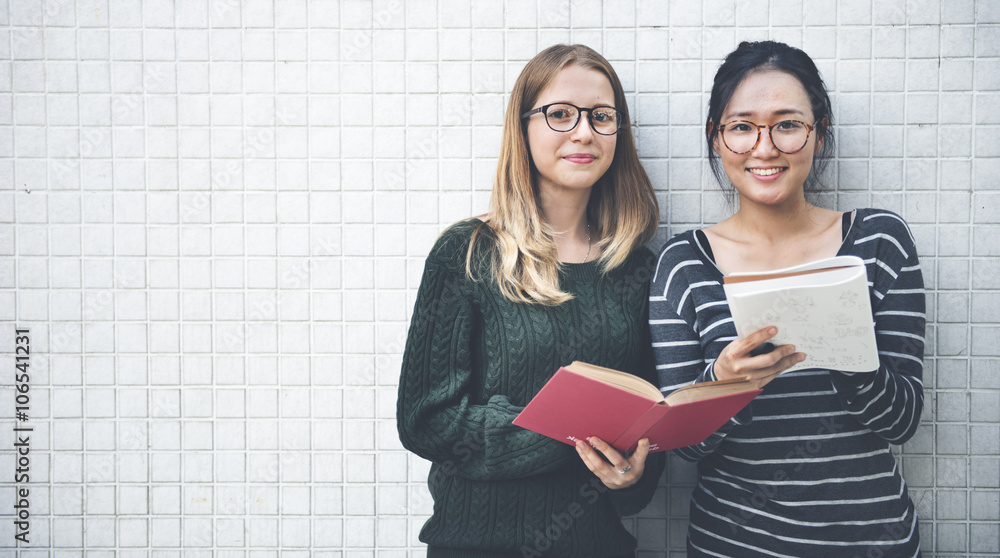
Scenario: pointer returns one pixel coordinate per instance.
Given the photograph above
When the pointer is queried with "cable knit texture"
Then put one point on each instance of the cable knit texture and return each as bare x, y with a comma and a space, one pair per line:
473, 359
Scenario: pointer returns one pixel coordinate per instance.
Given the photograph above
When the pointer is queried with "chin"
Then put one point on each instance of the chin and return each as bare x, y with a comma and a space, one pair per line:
767, 201
763, 196
579, 182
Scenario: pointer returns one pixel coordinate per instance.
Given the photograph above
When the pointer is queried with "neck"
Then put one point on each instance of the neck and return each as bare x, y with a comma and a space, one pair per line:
566, 212
775, 224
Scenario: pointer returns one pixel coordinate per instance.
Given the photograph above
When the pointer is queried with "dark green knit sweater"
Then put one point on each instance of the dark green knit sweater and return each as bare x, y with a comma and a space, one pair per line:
473, 359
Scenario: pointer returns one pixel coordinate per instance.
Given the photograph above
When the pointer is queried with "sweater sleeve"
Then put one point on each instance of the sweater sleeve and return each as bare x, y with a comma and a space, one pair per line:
632, 500
437, 416
679, 354
890, 400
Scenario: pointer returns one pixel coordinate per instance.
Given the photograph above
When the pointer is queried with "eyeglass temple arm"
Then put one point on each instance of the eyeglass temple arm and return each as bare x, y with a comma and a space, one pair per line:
532, 111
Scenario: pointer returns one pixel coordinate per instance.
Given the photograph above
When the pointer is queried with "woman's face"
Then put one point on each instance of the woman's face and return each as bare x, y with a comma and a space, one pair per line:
765, 175
573, 160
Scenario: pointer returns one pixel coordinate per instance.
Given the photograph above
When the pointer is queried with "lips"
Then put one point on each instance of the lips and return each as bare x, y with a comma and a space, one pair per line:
580, 158
770, 171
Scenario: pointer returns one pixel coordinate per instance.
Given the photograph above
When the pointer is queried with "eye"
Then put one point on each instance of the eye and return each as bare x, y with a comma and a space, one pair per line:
740, 127
561, 113
604, 115
789, 126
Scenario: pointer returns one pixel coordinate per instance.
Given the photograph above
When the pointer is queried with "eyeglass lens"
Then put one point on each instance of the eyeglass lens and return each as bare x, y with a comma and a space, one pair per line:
788, 136
563, 118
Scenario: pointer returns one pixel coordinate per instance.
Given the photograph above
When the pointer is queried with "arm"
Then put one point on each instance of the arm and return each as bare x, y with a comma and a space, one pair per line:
632, 490
632, 479
677, 345
694, 338
890, 400
632, 500
680, 361
437, 416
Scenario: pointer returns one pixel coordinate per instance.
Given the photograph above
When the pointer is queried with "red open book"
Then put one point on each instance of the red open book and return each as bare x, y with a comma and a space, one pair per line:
583, 400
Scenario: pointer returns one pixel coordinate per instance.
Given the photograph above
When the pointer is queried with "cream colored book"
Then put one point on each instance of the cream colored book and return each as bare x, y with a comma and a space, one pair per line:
822, 307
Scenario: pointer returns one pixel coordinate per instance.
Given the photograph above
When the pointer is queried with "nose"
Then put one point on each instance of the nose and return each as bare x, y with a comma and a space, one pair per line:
765, 147
583, 131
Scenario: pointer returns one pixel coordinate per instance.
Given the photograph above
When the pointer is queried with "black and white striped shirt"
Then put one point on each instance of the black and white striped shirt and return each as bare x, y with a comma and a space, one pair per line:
806, 468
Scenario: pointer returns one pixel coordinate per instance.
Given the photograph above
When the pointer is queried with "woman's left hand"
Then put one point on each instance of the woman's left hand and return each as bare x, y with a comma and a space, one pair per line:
614, 470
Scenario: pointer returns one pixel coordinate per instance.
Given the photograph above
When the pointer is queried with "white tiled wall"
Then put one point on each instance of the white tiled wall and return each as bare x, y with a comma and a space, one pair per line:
214, 213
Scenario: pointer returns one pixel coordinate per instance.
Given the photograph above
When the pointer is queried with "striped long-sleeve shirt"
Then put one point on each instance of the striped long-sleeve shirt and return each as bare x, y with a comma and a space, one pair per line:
806, 469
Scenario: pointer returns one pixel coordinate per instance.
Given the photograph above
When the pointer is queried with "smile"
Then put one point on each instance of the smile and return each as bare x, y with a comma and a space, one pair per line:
580, 158
767, 172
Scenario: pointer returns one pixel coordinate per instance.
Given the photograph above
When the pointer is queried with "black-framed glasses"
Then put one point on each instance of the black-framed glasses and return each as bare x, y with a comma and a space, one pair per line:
787, 136
563, 117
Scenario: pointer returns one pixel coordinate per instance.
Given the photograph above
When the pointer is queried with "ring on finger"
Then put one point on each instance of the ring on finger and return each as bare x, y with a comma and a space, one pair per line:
624, 469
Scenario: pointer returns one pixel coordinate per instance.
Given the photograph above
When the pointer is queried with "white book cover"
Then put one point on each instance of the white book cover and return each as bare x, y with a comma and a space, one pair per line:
823, 308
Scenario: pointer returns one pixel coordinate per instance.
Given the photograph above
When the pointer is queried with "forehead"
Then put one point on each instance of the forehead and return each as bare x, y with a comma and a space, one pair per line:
769, 92
578, 85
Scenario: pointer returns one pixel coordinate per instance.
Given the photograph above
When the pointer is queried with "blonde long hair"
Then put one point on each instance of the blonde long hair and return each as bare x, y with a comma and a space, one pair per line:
622, 206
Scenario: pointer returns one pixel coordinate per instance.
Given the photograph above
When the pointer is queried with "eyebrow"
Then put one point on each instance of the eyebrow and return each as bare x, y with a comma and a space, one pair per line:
576, 105
747, 114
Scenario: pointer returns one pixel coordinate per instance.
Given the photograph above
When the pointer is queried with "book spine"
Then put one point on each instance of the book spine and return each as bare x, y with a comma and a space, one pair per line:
630, 438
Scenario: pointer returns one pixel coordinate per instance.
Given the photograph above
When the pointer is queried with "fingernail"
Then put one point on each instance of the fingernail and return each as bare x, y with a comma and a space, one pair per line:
801, 357
772, 331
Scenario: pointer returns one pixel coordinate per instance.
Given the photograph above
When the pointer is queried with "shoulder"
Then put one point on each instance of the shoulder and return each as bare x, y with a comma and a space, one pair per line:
683, 247
682, 261
882, 220
680, 245
452, 245
882, 230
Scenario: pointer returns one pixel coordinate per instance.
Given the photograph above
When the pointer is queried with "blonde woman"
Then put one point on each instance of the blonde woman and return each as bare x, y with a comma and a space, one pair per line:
555, 272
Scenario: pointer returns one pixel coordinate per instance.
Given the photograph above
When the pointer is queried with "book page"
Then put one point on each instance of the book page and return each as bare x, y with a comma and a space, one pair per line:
708, 390
830, 322
818, 265
623, 380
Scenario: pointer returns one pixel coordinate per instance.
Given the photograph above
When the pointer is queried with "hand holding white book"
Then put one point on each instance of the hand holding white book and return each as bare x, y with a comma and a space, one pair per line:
823, 308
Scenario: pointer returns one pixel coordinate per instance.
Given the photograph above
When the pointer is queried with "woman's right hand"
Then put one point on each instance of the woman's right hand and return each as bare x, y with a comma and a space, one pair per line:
735, 361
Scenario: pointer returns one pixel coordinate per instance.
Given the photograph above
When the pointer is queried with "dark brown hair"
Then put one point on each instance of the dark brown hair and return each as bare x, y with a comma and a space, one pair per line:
771, 55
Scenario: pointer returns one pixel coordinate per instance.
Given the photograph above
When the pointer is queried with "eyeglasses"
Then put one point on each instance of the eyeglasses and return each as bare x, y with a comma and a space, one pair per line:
563, 117
787, 136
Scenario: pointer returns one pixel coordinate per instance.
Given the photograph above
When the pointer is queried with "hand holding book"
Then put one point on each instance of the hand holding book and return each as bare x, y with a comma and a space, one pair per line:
754, 359
615, 470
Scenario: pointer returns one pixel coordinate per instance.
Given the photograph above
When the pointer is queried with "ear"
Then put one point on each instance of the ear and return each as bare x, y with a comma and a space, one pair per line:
715, 141
819, 138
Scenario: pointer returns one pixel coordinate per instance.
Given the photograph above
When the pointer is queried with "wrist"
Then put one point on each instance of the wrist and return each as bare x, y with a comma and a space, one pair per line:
715, 372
